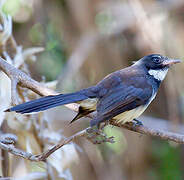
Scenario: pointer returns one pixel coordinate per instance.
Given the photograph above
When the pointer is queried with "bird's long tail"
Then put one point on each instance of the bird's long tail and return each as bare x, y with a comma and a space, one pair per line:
48, 102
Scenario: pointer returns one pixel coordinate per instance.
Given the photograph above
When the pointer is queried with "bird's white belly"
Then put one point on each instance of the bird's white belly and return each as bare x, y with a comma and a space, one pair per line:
128, 116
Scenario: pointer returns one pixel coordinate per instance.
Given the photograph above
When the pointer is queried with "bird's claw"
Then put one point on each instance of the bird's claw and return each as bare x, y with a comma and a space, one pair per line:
136, 123
96, 136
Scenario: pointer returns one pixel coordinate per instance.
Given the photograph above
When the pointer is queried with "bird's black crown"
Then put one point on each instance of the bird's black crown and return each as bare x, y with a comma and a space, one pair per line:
154, 61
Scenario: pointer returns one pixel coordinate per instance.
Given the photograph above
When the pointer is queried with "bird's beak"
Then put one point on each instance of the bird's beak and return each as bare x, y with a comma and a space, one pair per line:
170, 62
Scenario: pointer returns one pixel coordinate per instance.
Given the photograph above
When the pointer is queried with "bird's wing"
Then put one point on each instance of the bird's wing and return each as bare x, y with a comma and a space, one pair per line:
123, 97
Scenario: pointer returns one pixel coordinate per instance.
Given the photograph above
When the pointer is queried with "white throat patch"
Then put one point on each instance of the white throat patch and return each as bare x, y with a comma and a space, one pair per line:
158, 74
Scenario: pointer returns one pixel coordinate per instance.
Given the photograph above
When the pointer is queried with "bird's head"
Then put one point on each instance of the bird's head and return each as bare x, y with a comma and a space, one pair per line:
157, 61
157, 65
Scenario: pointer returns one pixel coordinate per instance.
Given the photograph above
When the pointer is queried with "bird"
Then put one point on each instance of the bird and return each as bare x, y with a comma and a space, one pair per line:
121, 96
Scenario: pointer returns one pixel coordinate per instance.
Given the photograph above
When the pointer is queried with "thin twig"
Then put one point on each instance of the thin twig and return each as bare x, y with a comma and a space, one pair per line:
46, 154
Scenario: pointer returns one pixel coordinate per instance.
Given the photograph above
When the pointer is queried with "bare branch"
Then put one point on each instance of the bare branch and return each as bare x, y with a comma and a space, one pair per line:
46, 154
25, 81
162, 134
17, 152
42, 157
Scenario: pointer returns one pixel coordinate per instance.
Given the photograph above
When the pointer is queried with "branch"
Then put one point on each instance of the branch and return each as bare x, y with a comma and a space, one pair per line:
42, 157
21, 78
162, 134
25, 81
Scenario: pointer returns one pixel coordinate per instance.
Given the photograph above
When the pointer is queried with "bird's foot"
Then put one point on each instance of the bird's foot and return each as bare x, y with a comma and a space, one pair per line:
97, 136
136, 123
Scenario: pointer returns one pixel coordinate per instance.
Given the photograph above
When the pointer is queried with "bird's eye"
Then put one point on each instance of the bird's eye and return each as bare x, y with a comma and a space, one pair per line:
157, 60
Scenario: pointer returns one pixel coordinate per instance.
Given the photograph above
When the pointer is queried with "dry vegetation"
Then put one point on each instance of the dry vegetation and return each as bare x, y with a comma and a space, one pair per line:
76, 35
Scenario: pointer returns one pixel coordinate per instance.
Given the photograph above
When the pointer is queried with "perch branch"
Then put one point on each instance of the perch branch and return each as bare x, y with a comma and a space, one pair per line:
25, 81
162, 134
21, 78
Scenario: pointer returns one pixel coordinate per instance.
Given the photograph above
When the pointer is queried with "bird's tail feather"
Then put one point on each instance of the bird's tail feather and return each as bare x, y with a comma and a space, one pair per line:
48, 102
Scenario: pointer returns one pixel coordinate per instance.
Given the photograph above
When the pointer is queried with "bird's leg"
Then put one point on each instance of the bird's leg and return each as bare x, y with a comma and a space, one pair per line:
97, 129
134, 123
96, 135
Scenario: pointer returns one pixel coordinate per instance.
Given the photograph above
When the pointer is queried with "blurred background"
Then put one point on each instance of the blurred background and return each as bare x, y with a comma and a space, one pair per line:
85, 40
